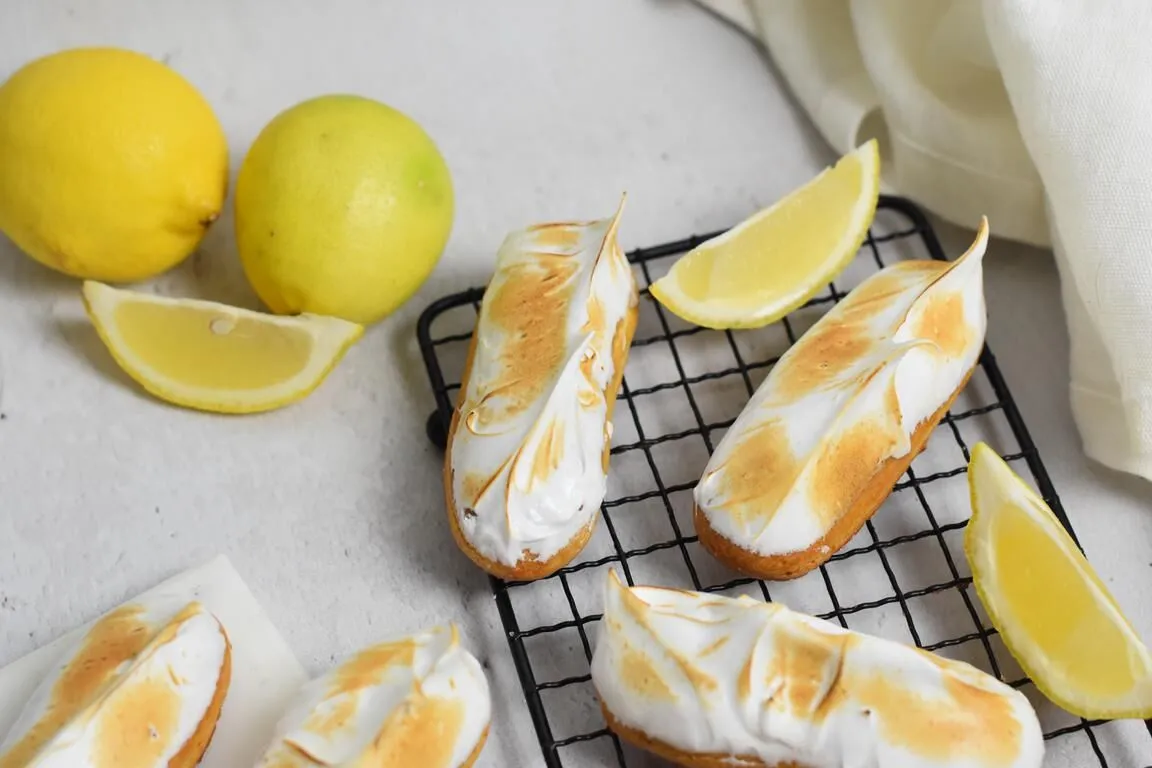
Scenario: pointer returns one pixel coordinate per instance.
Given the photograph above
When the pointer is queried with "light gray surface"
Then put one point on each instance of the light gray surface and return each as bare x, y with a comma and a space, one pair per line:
332, 509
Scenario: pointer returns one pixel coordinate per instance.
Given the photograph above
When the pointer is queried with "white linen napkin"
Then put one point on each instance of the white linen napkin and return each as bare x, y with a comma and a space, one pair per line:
1036, 113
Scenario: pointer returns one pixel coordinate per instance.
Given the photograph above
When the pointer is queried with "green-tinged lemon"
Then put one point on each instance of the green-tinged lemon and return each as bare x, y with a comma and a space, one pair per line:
343, 208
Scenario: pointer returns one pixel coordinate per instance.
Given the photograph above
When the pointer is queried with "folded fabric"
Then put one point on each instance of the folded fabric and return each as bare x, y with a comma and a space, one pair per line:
1035, 113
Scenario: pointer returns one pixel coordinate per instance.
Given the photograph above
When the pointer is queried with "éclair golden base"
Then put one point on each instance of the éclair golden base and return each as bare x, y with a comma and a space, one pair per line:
795, 564
638, 738
474, 755
193, 750
530, 568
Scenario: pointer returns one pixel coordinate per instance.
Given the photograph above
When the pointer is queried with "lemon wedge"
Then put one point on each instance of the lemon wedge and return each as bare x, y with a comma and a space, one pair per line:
774, 261
1053, 612
213, 357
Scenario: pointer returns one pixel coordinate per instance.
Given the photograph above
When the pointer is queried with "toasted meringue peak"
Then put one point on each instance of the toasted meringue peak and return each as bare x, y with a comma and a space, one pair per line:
845, 398
141, 684
744, 680
419, 700
528, 456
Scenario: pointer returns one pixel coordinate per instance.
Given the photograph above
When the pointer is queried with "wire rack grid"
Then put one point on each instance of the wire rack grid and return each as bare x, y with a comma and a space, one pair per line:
904, 576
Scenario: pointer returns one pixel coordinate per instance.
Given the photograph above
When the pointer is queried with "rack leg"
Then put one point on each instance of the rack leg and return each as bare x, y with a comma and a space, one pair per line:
434, 428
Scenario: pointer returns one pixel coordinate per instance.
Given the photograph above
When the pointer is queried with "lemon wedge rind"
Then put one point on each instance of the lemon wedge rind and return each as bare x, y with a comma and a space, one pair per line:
995, 489
722, 312
329, 337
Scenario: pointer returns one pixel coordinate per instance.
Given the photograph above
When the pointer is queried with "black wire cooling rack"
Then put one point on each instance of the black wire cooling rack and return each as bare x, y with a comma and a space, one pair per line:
904, 576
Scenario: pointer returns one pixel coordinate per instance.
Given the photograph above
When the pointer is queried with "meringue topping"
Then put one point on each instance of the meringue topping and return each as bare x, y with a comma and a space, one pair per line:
529, 456
420, 700
746, 680
845, 398
130, 693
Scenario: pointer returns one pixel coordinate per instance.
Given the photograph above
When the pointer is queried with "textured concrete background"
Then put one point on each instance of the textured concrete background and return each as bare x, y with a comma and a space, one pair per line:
332, 509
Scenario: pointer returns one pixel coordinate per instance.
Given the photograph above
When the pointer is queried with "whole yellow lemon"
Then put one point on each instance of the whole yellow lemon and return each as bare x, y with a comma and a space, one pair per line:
112, 166
343, 207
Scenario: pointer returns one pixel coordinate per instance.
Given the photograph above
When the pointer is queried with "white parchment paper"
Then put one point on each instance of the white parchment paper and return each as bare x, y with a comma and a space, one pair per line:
265, 673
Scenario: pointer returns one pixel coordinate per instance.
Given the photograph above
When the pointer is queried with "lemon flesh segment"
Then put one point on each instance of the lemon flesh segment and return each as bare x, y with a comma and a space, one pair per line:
1055, 615
213, 357
771, 263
